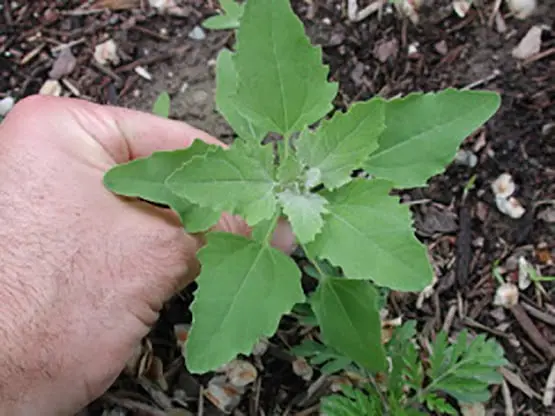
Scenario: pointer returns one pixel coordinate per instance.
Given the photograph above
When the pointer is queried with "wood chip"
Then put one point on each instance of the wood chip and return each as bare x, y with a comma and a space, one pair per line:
549, 390
515, 380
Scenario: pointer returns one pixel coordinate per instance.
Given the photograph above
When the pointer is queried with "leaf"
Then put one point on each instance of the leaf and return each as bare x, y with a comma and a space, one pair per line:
162, 105
354, 402
282, 83
304, 211
231, 181
229, 19
290, 170
439, 405
324, 356
243, 289
145, 178
424, 131
369, 234
226, 86
349, 320
465, 370
341, 144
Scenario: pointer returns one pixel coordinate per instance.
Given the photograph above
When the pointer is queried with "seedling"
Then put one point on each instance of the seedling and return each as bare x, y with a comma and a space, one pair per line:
275, 82
462, 370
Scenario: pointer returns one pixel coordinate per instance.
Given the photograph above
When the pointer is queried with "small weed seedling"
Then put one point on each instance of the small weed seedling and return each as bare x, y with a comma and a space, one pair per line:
275, 82
462, 370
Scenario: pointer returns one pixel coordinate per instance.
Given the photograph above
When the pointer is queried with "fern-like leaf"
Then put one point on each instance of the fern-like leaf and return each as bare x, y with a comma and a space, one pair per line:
465, 370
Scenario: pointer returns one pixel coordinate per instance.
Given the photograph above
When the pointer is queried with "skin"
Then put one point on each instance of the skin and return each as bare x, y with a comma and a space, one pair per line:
83, 272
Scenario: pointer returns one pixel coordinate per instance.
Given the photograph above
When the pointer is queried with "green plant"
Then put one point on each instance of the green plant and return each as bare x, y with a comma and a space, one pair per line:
232, 13
275, 82
417, 380
161, 106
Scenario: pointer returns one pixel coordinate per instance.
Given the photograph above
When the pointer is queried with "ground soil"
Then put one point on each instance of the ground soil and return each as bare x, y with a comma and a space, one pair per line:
465, 236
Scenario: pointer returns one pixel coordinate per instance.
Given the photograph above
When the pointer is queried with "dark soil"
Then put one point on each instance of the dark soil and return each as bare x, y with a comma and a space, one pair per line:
466, 237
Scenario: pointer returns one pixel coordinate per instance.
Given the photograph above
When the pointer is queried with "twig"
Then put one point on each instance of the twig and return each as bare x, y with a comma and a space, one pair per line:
134, 405
509, 409
67, 45
549, 390
533, 333
541, 315
356, 15
538, 56
516, 381
494, 12
109, 72
491, 77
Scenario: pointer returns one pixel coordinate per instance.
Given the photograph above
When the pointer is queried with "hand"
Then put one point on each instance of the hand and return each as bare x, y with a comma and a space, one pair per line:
84, 272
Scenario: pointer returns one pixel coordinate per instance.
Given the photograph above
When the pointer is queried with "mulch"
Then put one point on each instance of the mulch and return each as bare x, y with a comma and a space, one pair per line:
383, 54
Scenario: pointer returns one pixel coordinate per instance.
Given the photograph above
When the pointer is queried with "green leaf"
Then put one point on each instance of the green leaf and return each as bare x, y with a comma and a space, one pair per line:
229, 19
353, 403
162, 105
424, 131
349, 320
439, 405
231, 181
226, 86
290, 170
465, 370
282, 83
369, 234
324, 356
343, 143
145, 178
243, 289
304, 211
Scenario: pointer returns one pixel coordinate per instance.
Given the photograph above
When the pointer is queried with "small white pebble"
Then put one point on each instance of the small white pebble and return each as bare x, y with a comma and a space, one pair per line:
503, 186
510, 206
142, 72
466, 158
326, 21
522, 8
260, 347
523, 275
106, 52
197, 33
413, 48
51, 87
506, 295
241, 373
302, 369
461, 7
6, 104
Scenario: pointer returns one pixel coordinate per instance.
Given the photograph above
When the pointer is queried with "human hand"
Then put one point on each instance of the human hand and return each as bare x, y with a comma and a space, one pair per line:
84, 272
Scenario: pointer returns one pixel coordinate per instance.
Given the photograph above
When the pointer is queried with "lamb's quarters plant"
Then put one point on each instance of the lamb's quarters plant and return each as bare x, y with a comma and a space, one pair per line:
275, 82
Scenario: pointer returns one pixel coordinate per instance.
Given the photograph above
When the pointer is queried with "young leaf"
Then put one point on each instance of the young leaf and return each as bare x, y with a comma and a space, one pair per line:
243, 289
369, 234
162, 105
145, 177
304, 211
343, 143
226, 86
465, 371
349, 320
230, 180
424, 131
229, 19
324, 356
354, 402
282, 83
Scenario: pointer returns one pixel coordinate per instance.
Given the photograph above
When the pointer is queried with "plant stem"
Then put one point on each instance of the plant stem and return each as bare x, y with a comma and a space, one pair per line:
313, 261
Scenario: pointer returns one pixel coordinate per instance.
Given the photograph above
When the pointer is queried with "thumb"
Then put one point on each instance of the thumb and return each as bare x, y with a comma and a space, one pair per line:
124, 134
